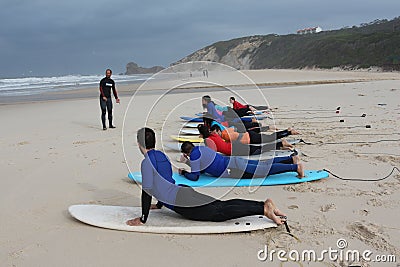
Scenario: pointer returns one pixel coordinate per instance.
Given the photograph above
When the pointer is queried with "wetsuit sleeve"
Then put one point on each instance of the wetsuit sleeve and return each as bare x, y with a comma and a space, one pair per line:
193, 176
147, 175
147, 184
114, 91
194, 165
159, 204
282, 134
101, 88
146, 202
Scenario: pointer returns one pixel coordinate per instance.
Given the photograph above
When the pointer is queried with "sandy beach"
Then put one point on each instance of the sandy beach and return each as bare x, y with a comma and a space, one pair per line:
54, 154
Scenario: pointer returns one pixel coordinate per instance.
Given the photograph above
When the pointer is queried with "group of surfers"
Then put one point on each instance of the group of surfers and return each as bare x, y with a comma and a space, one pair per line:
228, 141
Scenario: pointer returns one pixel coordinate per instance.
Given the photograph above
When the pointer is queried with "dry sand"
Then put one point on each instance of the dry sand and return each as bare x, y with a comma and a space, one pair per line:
54, 154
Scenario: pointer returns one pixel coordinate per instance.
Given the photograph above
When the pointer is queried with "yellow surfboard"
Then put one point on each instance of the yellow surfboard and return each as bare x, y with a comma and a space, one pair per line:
190, 138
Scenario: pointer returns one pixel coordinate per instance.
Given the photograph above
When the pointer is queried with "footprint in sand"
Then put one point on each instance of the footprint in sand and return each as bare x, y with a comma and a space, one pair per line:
372, 235
328, 207
23, 143
375, 202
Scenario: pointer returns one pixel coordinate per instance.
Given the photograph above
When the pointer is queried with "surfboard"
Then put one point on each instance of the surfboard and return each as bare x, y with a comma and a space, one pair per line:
162, 221
191, 119
176, 146
183, 138
275, 179
190, 124
199, 119
190, 131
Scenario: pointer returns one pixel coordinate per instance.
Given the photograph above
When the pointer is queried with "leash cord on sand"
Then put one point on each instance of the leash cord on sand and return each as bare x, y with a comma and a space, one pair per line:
351, 142
363, 180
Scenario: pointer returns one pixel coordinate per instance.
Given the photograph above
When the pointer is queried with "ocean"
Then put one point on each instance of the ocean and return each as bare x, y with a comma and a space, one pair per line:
36, 85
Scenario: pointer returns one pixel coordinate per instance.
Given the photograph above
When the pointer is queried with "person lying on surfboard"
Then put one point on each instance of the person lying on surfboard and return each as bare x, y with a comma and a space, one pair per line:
227, 118
238, 146
205, 160
157, 182
243, 110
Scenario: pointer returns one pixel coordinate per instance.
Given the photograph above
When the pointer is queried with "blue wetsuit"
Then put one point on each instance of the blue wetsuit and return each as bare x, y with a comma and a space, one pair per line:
213, 112
204, 159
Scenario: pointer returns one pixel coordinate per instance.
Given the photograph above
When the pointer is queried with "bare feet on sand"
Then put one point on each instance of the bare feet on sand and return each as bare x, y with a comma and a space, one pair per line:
300, 170
272, 212
286, 145
293, 131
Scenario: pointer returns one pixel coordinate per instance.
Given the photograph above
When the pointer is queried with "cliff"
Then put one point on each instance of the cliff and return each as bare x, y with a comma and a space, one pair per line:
133, 68
371, 44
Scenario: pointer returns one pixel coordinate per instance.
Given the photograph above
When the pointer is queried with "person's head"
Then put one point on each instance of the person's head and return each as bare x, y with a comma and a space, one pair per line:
186, 148
207, 119
232, 100
146, 139
203, 130
205, 100
216, 129
108, 73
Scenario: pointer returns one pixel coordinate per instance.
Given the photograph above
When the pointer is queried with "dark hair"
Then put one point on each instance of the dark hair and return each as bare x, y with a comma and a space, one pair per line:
187, 147
109, 70
146, 138
215, 127
207, 98
232, 98
203, 130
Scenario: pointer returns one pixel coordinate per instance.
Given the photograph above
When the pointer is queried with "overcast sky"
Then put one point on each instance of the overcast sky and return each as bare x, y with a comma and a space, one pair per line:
49, 37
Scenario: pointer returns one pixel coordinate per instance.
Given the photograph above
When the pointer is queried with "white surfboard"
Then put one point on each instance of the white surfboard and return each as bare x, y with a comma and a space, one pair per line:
162, 221
191, 124
190, 131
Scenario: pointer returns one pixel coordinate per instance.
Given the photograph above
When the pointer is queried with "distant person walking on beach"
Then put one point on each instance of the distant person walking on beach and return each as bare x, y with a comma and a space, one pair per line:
106, 104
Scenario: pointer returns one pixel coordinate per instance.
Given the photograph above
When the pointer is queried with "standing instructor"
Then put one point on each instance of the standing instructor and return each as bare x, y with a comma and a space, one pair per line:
106, 104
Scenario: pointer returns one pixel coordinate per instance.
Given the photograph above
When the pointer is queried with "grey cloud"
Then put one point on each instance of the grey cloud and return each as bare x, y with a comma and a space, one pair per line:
60, 37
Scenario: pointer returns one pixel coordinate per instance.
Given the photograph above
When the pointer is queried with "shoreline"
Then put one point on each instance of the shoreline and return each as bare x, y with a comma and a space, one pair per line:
128, 89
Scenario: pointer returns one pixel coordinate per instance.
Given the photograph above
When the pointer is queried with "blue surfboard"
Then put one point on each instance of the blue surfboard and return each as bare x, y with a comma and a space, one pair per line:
191, 119
210, 181
199, 119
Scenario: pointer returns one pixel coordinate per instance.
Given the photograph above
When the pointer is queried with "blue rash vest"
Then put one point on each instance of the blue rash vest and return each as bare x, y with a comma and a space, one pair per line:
204, 159
157, 178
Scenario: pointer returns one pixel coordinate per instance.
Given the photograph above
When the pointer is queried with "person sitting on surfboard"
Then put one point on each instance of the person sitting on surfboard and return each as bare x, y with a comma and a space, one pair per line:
243, 110
213, 140
205, 160
157, 181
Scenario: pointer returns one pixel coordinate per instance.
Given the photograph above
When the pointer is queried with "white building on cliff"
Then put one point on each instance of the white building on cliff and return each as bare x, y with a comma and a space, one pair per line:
310, 30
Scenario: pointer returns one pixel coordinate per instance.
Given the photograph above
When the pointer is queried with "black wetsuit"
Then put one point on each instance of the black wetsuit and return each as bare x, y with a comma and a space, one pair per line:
106, 85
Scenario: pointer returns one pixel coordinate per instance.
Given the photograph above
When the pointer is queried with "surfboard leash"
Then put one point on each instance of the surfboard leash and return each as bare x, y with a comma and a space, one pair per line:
361, 179
324, 117
350, 142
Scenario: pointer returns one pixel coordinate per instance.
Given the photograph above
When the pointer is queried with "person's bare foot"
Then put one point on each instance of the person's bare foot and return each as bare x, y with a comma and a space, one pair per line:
276, 210
293, 131
300, 170
272, 213
296, 159
286, 145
